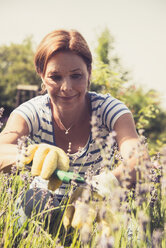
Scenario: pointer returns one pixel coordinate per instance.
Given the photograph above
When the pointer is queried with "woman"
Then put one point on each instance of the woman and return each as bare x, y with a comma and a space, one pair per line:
64, 115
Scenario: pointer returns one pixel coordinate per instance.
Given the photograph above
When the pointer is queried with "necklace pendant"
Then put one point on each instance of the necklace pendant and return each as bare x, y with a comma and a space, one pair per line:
67, 131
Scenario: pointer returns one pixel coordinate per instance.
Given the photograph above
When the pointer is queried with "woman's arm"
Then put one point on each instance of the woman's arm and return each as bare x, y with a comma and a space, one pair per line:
128, 143
15, 128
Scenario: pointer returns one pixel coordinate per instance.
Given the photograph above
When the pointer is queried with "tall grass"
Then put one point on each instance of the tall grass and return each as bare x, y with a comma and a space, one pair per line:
128, 218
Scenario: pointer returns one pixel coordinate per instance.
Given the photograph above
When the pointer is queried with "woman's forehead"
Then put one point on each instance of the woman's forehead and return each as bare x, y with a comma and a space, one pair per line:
65, 61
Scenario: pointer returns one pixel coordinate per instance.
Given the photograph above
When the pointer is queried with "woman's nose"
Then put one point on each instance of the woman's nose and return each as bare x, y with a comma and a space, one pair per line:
66, 84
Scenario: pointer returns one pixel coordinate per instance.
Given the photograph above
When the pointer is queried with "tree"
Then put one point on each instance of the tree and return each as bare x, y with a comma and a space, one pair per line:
16, 67
110, 77
108, 73
105, 53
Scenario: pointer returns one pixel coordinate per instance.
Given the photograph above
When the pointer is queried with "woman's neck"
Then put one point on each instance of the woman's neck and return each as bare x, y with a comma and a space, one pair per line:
71, 116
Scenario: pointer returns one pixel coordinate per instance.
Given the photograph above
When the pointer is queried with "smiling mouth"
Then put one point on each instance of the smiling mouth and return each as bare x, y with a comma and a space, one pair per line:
67, 98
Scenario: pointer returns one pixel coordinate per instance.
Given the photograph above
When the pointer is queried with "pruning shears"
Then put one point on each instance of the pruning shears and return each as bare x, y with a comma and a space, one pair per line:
67, 176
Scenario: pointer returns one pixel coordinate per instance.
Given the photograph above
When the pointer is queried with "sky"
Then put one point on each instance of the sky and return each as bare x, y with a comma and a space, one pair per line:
138, 27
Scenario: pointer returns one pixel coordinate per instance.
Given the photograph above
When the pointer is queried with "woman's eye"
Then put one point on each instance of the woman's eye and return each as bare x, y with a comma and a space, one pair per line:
56, 78
76, 76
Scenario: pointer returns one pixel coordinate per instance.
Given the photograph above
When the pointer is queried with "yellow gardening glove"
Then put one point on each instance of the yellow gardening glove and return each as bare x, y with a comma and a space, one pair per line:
104, 183
81, 214
106, 218
78, 212
69, 212
46, 159
85, 213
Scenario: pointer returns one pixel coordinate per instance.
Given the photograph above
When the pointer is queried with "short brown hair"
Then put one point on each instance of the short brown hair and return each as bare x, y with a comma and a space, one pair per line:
61, 40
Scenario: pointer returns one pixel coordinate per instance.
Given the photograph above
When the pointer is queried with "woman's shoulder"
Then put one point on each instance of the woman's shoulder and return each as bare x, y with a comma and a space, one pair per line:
38, 105
106, 103
94, 96
37, 102
43, 99
99, 99
108, 108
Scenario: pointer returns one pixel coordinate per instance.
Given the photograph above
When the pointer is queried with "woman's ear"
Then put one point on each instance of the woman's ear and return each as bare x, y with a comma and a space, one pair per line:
42, 77
89, 69
88, 86
43, 86
89, 76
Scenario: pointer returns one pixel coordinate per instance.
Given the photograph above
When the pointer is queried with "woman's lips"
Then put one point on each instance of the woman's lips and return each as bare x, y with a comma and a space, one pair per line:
67, 98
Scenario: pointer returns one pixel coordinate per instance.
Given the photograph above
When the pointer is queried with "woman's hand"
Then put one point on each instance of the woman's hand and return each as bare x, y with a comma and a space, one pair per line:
79, 213
46, 158
130, 148
84, 207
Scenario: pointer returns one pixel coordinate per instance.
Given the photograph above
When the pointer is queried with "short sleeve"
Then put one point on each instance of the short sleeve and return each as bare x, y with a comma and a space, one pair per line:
108, 109
29, 112
112, 109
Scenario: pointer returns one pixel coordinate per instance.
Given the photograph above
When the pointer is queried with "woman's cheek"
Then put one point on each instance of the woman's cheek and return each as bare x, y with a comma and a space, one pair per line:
51, 88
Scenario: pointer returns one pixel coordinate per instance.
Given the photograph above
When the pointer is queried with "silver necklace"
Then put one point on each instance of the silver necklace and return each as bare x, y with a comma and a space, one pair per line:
66, 129
66, 132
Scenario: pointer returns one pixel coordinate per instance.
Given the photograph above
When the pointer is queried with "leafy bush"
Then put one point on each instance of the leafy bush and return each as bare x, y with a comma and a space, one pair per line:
109, 76
16, 67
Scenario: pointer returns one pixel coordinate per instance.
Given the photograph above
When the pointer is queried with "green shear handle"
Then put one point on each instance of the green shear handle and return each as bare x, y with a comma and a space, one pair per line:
67, 176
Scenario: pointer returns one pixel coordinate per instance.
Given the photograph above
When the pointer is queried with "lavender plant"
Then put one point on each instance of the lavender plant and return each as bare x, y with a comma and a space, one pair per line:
126, 218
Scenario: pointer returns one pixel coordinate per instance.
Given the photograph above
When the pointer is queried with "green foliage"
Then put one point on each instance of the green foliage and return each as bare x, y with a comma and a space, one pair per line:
144, 206
104, 80
109, 77
16, 67
144, 106
105, 45
105, 54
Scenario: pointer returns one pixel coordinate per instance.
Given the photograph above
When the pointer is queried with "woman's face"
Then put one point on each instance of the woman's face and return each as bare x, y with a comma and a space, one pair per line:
66, 79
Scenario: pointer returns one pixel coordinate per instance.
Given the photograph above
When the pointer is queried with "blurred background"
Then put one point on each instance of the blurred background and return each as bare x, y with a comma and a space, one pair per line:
127, 39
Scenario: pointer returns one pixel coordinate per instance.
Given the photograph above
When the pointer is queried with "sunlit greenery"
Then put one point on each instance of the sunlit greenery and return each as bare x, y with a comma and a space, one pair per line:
16, 67
110, 77
129, 218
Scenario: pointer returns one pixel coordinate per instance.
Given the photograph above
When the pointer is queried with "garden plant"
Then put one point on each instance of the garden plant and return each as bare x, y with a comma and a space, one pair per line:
126, 217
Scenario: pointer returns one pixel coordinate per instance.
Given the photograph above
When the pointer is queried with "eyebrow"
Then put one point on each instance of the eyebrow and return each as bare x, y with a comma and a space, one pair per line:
77, 69
57, 72
53, 72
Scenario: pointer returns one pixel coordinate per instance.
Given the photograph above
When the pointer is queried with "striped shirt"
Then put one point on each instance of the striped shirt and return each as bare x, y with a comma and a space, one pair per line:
105, 110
